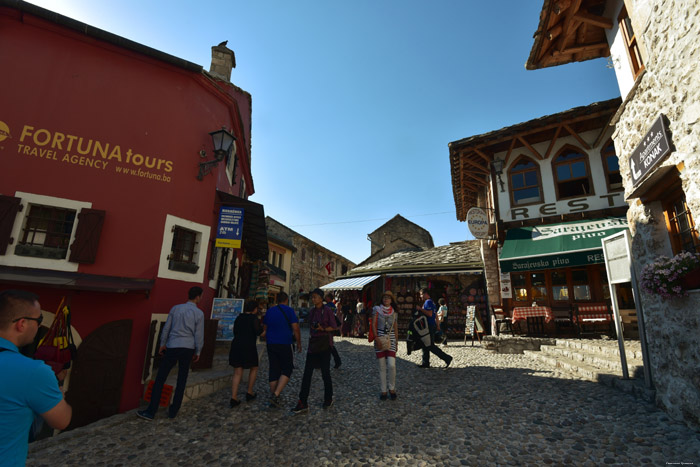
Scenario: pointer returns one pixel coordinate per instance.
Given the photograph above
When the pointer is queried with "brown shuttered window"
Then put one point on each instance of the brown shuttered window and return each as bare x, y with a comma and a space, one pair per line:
87, 236
9, 207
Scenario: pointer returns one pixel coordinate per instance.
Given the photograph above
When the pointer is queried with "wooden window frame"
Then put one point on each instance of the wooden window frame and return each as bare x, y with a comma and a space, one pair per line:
555, 176
511, 172
631, 44
675, 195
51, 222
180, 248
604, 154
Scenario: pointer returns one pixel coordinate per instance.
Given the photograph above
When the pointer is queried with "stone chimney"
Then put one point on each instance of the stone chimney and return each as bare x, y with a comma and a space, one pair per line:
222, 61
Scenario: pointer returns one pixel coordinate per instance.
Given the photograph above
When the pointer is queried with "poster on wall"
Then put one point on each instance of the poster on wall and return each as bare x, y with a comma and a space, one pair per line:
226, 310
506, 288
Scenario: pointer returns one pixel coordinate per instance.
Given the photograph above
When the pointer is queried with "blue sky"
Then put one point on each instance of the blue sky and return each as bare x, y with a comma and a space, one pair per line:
354, 102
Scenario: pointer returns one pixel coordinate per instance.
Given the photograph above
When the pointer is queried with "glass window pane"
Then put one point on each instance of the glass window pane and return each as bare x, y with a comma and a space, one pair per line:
531, 178
517, 180
613, 163
582, 292
526, 195
579, 276
523, 164
560, 292
563, 172
578, 169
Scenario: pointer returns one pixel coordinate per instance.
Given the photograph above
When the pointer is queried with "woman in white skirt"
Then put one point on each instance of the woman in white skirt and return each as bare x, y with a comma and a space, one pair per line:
384, 324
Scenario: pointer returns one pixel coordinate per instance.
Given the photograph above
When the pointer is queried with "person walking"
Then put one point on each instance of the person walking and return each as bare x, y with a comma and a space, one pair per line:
281, 329
430, 311
28, 387
318, 355
244, 352
181, 342
338, 321
384, 320
360, 319
442, 319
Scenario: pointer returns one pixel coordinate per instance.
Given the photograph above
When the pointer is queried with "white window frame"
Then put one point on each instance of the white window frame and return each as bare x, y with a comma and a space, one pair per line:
231, 165
11, 259
203, 234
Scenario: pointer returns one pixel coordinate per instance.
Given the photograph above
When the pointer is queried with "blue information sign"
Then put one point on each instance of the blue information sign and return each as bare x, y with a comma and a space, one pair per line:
230, 230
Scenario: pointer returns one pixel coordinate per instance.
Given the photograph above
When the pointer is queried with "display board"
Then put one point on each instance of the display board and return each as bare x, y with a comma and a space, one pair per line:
226, 310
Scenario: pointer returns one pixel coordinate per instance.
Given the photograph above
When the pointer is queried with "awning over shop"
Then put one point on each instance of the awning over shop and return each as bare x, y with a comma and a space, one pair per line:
557, 245
254, 239
73, 280
352, 283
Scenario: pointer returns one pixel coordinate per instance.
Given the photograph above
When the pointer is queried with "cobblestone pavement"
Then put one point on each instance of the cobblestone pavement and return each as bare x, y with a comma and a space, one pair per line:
486, 409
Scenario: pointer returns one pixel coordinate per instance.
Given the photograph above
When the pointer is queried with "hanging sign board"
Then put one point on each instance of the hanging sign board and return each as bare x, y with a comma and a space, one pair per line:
653, 148
506, 287
478, 222
230, 230
226, 310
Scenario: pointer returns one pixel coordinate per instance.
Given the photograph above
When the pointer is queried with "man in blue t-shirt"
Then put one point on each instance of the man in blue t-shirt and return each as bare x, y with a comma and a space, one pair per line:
430, 311
281, 329
27, 387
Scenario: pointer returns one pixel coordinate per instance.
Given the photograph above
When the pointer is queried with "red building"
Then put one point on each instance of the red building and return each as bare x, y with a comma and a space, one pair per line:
104, 197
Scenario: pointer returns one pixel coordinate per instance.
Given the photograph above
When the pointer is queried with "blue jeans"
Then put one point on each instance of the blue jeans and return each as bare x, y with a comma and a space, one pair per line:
183, 358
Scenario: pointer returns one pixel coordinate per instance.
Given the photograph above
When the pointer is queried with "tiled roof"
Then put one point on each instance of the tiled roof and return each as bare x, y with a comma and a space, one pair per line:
455, 256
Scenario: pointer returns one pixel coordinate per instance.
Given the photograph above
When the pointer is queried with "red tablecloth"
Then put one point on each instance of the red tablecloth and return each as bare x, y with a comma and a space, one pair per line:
523, 312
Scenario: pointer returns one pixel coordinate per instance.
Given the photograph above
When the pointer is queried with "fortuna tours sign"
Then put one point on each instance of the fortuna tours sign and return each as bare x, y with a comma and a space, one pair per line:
653, 148
478, 222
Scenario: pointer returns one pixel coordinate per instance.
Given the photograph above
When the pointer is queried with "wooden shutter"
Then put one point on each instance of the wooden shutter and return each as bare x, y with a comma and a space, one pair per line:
87, 236
9, 206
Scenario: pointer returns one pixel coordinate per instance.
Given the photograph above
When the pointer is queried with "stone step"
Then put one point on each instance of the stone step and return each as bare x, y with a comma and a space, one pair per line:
633, 349
603, 361
578, 369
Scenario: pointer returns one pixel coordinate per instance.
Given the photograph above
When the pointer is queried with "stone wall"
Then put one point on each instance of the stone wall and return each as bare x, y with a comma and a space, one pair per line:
670, 85
399, 234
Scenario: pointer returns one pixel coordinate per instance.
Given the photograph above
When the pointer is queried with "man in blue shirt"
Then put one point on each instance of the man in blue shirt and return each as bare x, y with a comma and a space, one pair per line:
180, 342
27, 387
430, 310
281, 329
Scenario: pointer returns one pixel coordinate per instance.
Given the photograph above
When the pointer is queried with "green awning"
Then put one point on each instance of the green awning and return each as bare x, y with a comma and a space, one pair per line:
557, 245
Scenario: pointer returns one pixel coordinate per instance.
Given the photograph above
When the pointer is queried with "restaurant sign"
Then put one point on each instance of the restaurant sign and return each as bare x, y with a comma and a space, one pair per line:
557, 245
653, 148
478, 222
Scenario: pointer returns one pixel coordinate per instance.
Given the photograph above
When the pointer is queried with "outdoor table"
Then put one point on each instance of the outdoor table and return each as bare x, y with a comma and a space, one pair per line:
523, 312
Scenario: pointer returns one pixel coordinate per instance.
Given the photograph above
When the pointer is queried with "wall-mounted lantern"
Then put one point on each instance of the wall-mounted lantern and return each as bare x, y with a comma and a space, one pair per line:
223, 143
497, 165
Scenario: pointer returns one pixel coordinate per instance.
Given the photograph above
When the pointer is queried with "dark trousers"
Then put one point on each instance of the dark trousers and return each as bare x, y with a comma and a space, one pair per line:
316, 360
336, 356
183, 358
434, 349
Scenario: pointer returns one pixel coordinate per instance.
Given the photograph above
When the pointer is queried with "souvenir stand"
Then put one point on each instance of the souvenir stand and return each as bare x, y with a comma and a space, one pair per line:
458, 290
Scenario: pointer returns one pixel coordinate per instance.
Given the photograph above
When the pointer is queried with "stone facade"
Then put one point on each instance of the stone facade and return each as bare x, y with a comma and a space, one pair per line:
667, 30
397, 234
308, 263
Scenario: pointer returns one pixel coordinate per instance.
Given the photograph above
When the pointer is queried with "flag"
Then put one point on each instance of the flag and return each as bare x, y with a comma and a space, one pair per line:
328, 268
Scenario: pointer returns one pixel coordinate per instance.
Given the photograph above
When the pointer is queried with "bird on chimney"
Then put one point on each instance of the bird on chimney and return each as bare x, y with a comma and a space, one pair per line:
223, 44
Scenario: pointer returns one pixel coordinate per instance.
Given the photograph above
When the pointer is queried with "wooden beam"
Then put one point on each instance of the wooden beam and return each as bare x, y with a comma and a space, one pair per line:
476, 167
527, 145
510, 150
477, 178
554, 32
578, 138
579, 49
483, 156
470, 185
595, 20
561, 6
551, 143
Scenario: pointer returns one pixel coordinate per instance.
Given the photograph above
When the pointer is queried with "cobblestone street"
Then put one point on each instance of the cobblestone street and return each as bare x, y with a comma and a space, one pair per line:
486, 409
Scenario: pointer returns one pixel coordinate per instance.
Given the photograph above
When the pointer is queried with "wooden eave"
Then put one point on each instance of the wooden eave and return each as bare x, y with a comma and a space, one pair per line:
569, 31
470, 158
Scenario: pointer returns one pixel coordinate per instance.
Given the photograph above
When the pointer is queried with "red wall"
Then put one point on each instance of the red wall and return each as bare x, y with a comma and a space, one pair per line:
62, 82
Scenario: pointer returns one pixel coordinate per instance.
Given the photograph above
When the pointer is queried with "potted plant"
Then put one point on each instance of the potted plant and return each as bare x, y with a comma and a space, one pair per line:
672, 277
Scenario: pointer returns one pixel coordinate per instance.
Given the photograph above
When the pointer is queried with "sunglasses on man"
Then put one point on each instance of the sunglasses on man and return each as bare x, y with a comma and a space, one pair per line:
38, 320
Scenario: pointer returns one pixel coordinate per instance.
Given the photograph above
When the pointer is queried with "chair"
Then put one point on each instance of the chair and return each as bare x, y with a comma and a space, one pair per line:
501, 318
563, 320
535, 326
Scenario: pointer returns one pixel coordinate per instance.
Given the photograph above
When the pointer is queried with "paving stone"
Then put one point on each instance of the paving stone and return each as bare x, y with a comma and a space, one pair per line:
486, 409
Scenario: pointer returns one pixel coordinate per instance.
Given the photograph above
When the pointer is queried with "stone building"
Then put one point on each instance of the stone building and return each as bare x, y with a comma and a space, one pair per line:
653, 47
279, 263
311, 265
397, 234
